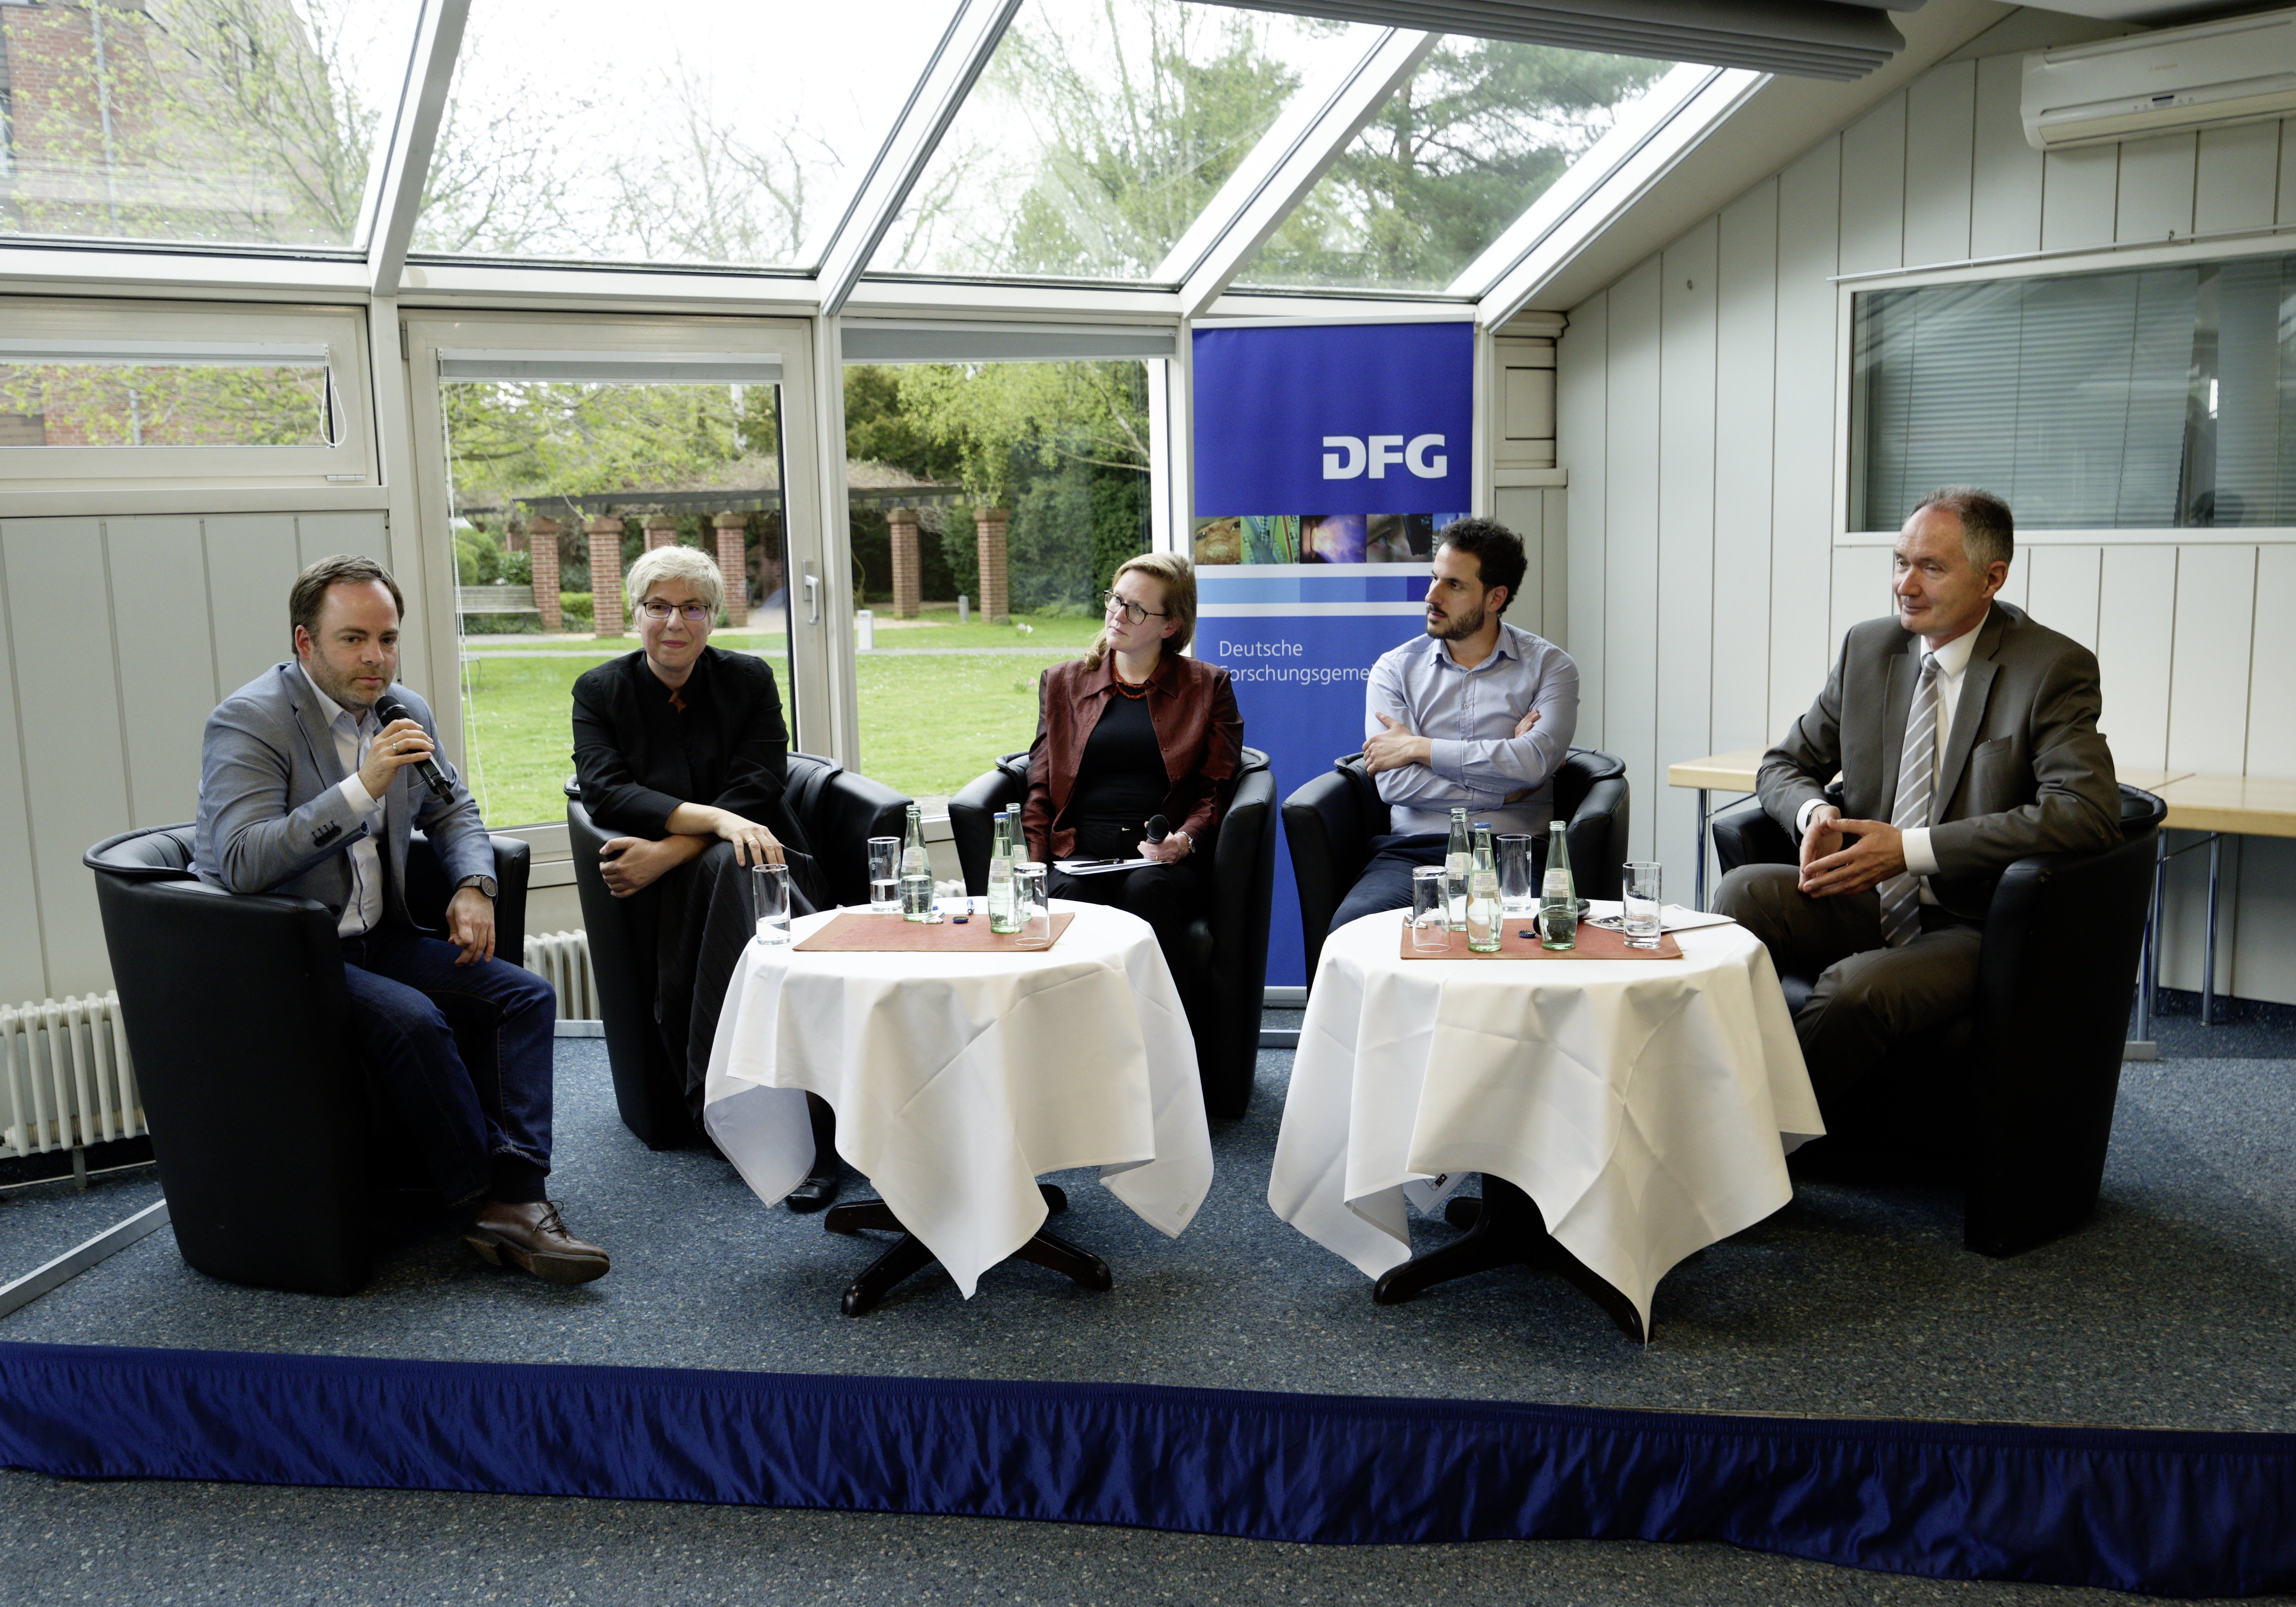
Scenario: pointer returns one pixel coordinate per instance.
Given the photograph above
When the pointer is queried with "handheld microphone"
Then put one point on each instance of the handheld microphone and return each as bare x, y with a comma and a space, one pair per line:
1158, 828
387, 708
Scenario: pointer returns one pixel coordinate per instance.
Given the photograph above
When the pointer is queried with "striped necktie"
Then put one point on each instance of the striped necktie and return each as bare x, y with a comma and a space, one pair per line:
1901, 895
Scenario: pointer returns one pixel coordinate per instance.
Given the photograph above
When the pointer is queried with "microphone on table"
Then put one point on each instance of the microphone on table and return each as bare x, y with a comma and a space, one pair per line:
387, 708
1158, 828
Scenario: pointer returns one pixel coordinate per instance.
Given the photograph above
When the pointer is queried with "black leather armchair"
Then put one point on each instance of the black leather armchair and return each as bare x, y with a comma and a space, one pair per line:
239, 1021
2022, 1089
1230, 940
837, 810
1330, 822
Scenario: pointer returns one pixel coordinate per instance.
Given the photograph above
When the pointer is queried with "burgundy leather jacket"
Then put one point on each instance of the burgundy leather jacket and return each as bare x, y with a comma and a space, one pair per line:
1193, 707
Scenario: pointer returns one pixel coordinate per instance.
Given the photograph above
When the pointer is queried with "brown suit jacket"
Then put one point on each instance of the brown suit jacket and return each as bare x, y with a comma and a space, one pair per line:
1201, 735
2025, 771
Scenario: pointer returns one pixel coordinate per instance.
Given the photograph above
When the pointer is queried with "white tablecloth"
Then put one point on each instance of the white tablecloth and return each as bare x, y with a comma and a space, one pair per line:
957, 1078
1647, 1106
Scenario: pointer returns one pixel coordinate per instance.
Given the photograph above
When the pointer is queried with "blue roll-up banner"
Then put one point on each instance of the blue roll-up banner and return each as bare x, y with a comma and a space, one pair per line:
1326, 458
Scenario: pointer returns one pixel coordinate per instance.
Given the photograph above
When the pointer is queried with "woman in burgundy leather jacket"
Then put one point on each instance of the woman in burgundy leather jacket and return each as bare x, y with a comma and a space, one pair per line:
1131, 731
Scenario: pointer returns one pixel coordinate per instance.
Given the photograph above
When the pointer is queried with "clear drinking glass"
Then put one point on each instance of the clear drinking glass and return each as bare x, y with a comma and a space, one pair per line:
770, 886
885, 875
1518, 888
1431, 907
1639, 887
1031, 907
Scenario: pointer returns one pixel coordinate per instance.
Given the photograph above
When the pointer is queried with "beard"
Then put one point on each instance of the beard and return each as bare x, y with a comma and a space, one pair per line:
1455, 626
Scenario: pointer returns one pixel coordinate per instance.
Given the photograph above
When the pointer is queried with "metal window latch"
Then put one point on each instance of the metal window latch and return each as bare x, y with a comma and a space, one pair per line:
812, 596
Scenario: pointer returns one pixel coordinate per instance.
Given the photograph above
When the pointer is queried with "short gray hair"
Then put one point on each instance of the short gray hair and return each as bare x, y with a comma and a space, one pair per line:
1989, 530
689, 564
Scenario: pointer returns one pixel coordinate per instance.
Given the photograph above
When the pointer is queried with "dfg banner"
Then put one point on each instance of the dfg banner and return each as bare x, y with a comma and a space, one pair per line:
1326, 458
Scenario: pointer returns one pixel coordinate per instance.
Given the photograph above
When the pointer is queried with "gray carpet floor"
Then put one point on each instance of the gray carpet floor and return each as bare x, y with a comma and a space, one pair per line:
2169, 1309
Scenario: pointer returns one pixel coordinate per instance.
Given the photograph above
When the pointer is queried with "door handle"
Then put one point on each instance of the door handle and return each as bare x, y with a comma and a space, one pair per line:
812, 596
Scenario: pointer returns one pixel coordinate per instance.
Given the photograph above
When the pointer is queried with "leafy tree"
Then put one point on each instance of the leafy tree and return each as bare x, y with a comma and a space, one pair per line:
526, 439
879, 430
998, 417
1458, 152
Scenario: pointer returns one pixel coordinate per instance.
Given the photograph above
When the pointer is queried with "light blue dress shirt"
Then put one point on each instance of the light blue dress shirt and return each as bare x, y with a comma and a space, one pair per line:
1469, 716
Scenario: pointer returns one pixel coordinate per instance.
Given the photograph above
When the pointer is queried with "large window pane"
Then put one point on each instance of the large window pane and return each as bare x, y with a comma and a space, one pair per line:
225, 121
1060, 447
1100, 130
1460, 150
533, 467
2151, 398
286, 403
709, 132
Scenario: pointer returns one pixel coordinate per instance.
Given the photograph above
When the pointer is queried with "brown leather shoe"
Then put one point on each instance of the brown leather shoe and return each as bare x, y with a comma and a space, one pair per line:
533, 1238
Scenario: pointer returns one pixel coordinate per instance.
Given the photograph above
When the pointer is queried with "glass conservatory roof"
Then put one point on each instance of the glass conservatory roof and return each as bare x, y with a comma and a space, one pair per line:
711, 132
1100, 131
1458, 152
211, 122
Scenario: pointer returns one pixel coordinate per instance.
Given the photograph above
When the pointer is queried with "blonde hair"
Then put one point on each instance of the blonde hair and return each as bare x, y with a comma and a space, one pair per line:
689, 564
1177, 576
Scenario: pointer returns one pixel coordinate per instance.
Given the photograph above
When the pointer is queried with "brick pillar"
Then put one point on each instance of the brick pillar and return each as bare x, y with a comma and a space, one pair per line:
514, 537
733, 565
605, 533
988, 525
660, 531
908, 569
541, 535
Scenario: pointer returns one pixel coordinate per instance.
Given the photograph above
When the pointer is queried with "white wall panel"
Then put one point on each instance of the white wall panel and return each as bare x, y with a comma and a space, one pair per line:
252, 561
1801, 533
2208, 671
2062, 589
2287, 209
1521, 510
2017, 588
2079, 190
1746, 337
1874, 189
1941, 148
364, 532
1685, 645
1630, 586
23, 969
1582, 445
2272, 676
1556, 528
1861, 592
57, 600
2233, 181
2136, 626
2264, 909
167, 677
2005, 180
2156, 188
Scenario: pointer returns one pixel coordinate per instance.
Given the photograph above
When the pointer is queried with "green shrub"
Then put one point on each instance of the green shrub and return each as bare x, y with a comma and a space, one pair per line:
575, 608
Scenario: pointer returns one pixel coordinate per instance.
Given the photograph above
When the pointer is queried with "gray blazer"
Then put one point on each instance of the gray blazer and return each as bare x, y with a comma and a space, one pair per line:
2025, 771
273, 818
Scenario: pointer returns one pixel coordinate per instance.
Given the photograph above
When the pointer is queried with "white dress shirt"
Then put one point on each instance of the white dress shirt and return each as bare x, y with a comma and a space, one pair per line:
353, 734
1469, 716
1952, 669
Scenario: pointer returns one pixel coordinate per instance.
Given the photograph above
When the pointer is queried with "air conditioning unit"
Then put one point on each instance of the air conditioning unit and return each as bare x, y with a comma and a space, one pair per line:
2241, 70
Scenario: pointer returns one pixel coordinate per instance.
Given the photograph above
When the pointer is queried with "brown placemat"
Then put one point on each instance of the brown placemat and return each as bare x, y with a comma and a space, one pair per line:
855, 932
1595, 943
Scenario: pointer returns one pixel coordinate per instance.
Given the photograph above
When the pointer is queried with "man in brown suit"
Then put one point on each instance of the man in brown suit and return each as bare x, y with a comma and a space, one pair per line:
1965, 736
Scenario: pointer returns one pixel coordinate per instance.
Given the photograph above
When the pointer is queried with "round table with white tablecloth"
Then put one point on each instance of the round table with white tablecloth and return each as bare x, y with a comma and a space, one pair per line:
1647, 1106
958, 1078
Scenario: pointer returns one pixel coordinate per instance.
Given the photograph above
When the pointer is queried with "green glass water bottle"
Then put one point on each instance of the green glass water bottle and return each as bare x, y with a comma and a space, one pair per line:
916, 870
1558, 896
1458, 860
1485, 917
1001, 917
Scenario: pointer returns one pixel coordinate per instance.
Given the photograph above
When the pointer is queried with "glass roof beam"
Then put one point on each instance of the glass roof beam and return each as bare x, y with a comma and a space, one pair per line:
1397, 53
414, 135
1604, 183
932, 106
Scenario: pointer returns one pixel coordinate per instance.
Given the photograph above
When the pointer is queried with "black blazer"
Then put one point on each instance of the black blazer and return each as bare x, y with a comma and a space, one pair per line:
627, 754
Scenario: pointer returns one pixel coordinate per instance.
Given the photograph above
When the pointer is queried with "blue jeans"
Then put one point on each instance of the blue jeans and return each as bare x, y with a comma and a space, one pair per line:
1386, 881
462, 1052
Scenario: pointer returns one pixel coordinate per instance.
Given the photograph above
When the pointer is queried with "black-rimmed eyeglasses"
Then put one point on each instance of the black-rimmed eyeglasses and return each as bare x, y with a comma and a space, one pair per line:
692, 613
1132, 612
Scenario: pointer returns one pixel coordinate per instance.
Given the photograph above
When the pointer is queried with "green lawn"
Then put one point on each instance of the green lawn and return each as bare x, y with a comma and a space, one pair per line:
927, 725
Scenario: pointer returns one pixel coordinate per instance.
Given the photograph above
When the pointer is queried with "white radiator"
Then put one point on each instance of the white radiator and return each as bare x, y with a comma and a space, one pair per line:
563, 959
65, 1078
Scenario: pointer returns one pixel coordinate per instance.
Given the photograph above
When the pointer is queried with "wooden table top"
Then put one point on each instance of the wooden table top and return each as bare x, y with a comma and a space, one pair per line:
2248, 805
1732, 772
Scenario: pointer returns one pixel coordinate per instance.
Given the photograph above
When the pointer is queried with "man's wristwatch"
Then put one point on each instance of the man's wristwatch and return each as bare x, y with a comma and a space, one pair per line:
485, 884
